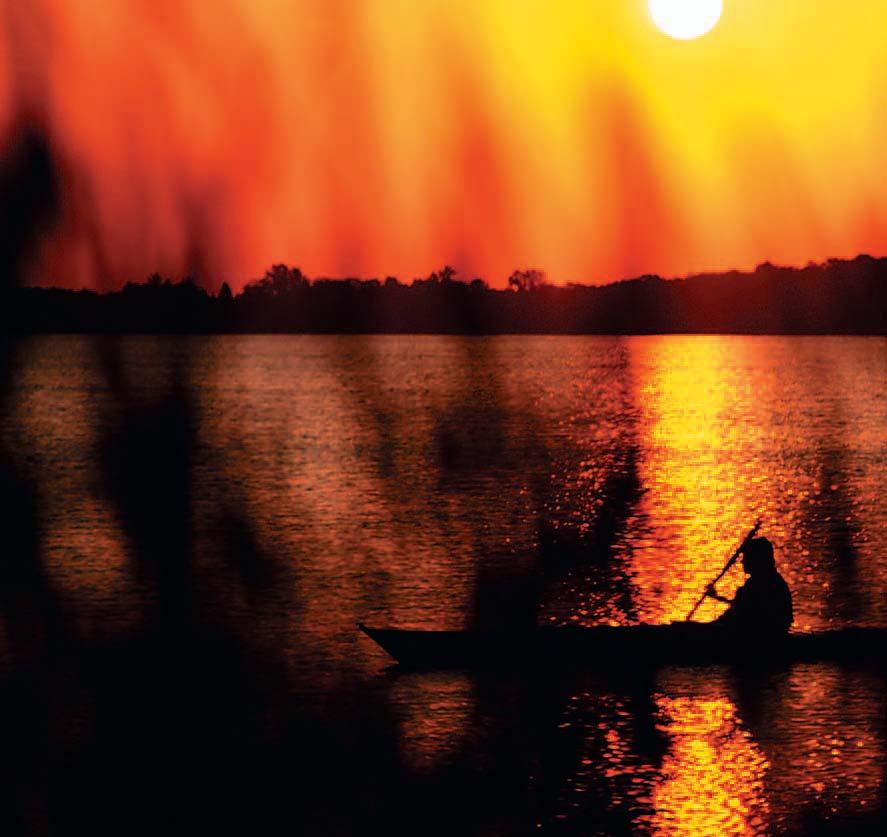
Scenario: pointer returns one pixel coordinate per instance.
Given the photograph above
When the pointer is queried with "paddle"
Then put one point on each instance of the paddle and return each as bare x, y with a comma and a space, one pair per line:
723, 572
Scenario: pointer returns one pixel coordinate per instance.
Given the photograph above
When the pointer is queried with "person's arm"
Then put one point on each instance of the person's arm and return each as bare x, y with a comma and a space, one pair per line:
713, 594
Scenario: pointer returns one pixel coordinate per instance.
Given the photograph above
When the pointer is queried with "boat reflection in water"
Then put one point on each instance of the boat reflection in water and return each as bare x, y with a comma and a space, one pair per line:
695, 756
724, 761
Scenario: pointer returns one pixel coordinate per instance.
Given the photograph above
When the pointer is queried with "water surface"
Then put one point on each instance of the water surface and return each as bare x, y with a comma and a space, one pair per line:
441, 482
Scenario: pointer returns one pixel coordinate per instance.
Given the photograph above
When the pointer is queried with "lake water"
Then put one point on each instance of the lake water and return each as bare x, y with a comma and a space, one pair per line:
441, 482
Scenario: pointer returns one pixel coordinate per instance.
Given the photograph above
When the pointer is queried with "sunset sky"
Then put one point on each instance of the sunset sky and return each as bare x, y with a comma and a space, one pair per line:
377, 137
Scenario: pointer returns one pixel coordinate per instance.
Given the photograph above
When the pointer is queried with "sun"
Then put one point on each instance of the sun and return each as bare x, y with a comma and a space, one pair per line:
686, 19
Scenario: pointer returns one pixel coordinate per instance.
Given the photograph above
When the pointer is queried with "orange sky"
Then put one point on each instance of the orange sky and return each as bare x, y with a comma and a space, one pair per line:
376, 137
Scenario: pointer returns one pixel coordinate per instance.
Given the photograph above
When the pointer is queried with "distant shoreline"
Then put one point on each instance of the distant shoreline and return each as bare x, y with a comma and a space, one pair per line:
118, 333
839, 297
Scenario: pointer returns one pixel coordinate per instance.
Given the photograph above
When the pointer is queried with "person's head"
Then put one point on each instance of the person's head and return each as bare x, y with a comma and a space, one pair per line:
757, 556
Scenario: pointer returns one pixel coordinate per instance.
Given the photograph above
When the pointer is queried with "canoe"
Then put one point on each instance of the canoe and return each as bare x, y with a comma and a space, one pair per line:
626, 648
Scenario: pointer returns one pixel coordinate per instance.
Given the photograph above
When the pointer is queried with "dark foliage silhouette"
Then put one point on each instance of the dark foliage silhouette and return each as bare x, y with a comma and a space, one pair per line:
838, 297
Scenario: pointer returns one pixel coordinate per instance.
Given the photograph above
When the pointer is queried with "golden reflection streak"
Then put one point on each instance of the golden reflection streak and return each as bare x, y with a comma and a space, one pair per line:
702, 440
713, 778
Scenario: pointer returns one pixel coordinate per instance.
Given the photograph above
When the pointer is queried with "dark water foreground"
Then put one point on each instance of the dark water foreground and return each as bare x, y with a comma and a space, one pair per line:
195, 525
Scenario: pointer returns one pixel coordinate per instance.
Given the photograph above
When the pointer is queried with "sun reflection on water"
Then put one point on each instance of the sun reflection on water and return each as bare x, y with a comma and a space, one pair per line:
672, 764
712, 780
698, 413
723, 753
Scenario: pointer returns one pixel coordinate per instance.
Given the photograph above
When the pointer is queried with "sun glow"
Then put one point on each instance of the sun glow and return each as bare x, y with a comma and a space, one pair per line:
573, 136
686, 19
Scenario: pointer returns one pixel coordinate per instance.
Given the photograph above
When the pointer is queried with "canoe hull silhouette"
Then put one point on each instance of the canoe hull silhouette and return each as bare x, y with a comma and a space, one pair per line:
623, 647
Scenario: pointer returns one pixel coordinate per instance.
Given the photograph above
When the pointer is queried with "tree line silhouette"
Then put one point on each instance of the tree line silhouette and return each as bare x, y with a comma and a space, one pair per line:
836, 297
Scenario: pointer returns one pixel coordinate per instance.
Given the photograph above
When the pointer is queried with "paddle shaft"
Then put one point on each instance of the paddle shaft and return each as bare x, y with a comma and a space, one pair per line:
723, 572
